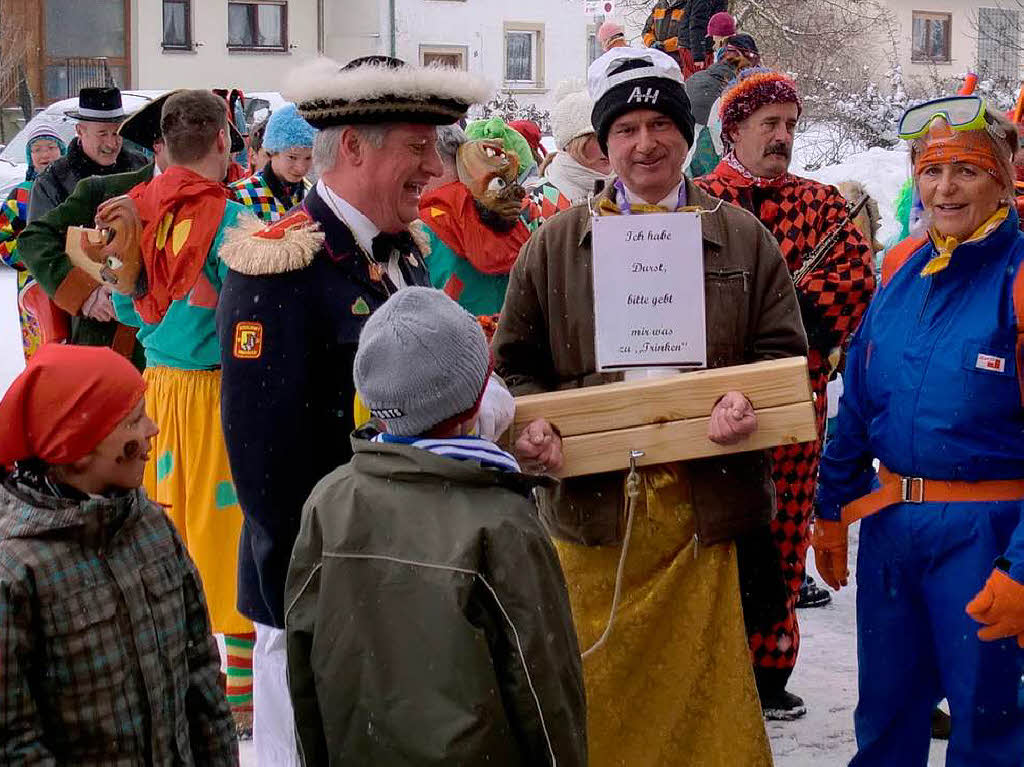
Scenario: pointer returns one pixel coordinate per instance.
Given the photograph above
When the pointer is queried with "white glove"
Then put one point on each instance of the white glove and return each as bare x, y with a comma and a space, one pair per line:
497, 409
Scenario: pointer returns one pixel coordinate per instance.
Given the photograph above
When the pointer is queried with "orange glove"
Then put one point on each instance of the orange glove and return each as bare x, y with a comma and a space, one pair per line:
829, 541
1000, 606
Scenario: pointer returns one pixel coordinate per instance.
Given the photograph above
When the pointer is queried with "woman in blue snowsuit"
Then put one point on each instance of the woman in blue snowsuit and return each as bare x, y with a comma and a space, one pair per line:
933, 391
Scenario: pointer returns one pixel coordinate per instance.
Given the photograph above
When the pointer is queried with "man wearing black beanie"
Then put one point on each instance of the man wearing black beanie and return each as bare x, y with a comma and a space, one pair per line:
638, 79
680, 609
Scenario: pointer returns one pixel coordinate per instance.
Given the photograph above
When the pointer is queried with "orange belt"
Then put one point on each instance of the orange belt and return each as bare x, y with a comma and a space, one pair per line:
896, 489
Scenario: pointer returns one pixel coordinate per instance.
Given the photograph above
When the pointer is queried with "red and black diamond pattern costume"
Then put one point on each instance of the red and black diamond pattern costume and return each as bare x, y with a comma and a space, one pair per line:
833, 298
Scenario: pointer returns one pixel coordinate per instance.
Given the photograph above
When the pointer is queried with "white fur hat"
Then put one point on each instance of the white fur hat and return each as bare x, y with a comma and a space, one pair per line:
570, 116
380, 89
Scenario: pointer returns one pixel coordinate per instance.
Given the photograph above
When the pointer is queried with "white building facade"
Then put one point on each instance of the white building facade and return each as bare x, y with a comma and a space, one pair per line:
526, 48
247, 44
950, 37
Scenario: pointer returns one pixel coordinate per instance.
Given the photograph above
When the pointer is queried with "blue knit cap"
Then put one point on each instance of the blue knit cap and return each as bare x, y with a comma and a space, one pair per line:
287, 130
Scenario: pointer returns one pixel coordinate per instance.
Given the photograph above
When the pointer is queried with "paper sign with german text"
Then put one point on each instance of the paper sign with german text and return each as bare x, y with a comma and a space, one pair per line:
649, 291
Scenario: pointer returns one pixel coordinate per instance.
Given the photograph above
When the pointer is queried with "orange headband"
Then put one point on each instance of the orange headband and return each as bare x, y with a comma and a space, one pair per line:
943, 146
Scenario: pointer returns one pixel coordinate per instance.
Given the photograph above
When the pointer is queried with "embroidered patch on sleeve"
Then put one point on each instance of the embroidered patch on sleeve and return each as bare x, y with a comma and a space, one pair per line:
248, 340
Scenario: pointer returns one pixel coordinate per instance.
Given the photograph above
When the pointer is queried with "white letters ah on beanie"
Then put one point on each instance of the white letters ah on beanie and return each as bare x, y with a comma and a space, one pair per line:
422, 362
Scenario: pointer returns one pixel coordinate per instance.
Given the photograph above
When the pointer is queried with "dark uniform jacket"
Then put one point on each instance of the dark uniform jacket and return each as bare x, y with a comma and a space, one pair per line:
700, 13
288, 332
428, 619
106, 655
41, 247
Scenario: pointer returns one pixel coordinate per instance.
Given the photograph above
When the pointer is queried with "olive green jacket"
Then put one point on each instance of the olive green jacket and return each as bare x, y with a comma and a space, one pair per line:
41, 246
428, 619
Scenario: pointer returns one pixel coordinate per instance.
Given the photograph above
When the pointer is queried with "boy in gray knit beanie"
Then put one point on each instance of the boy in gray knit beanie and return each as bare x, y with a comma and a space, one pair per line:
425, 599
422, 364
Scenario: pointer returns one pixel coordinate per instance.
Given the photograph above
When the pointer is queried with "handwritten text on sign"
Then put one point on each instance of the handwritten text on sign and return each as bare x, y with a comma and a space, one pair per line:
649, 291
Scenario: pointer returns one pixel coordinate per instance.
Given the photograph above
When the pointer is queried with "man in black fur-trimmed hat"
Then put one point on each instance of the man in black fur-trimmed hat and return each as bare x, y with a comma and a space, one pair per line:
291, 310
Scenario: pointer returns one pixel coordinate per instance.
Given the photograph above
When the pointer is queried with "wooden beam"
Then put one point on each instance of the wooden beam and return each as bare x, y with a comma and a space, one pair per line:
682, 441
601, 409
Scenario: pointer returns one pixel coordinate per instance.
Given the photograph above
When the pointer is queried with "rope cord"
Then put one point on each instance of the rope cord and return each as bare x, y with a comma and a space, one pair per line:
633, 491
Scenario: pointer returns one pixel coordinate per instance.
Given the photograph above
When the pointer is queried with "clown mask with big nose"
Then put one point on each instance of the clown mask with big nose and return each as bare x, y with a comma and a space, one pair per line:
491, 175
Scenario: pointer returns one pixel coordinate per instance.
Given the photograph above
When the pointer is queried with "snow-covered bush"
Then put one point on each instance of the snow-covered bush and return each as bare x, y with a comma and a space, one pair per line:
505, 106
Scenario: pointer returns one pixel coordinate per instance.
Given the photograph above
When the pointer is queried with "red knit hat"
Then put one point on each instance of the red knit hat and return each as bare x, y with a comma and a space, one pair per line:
530, 131
752, 89
722, 24
65, 402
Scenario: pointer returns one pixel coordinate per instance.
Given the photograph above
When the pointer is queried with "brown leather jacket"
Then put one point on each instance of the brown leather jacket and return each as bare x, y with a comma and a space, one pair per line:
545, 342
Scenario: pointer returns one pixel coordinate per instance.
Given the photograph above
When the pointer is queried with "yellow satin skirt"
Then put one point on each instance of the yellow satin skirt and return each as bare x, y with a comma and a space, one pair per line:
673, 684
188, 472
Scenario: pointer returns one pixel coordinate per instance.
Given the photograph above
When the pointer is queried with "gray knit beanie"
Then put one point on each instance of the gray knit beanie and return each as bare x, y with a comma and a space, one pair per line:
422, 361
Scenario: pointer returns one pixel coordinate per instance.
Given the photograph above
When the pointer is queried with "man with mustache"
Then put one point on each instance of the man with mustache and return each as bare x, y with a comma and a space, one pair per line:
759, 113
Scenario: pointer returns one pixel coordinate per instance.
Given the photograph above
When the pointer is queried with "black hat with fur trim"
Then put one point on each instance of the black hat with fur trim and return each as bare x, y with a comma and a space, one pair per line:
382, 89
143, 127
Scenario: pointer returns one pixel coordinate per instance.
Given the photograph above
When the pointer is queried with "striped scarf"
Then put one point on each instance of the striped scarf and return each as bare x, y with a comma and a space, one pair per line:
486, 452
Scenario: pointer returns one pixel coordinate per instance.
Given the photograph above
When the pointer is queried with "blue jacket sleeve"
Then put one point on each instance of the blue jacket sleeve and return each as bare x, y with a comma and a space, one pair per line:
1015, 552
846, 471
267, 336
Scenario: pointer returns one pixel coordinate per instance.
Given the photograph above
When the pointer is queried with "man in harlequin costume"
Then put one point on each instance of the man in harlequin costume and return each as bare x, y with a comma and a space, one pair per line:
42, 148
759, 113
474, 229
168, 232
294, 302
281, 185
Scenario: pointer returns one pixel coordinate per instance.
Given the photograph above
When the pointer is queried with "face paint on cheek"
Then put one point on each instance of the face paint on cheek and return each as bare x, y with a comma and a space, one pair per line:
132, 449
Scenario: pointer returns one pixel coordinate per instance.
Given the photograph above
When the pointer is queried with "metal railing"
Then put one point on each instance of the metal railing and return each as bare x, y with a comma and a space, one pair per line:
87, 73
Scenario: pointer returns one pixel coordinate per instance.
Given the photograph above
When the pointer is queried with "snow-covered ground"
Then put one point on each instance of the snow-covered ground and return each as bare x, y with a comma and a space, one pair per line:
826, 678
881, 171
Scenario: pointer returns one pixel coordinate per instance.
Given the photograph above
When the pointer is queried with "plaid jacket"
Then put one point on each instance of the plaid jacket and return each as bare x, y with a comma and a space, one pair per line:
13, 217
106, 655
255, 193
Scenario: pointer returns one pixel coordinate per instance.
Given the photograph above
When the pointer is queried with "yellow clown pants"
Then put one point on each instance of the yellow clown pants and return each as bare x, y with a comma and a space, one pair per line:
188, 473
673, 683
